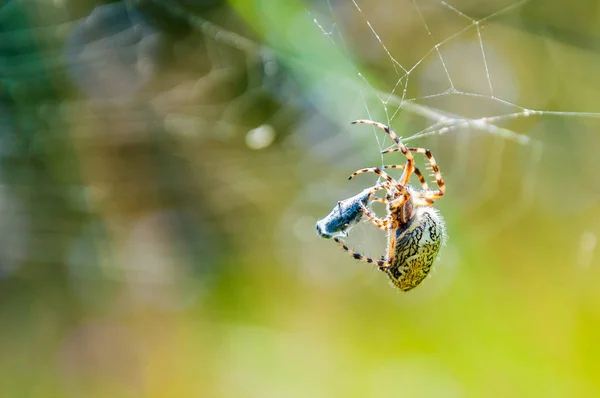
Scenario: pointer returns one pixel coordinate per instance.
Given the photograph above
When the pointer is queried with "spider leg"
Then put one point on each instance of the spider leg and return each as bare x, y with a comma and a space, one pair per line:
360, 257
396, 197
434, 167
417, 173
390, 181
375, 170
380, 200
378, 187
379, 222
432, 194
391, 247
410, 164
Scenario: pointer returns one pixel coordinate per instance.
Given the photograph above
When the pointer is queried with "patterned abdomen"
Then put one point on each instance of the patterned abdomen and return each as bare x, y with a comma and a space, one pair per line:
417, 247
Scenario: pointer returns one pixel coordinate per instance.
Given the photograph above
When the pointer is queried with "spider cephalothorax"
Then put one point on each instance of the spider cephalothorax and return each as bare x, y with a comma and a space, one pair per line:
416, 231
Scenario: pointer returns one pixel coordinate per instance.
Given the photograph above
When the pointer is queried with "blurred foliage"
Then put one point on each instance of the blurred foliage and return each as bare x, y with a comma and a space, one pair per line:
163, 164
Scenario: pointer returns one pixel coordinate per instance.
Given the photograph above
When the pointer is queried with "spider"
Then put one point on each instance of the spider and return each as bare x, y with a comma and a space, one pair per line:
416, 230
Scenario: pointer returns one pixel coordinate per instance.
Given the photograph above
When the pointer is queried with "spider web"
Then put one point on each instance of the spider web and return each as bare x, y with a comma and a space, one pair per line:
447, 74
456, 77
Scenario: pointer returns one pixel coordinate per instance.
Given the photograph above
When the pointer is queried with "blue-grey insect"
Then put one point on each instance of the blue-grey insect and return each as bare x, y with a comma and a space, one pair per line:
344, 216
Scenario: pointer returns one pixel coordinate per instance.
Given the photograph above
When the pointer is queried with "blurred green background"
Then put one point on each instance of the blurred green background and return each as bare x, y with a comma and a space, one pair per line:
163, 164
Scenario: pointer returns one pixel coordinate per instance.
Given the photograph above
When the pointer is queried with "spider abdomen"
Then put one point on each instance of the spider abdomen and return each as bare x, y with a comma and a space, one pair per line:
418, 243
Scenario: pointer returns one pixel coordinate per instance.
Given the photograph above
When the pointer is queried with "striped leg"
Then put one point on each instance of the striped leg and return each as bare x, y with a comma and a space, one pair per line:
434, 167
360, 257
417, 173
380, 200
410, 164
379, 187
377, 171
396, 185
432, 194
379, 222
